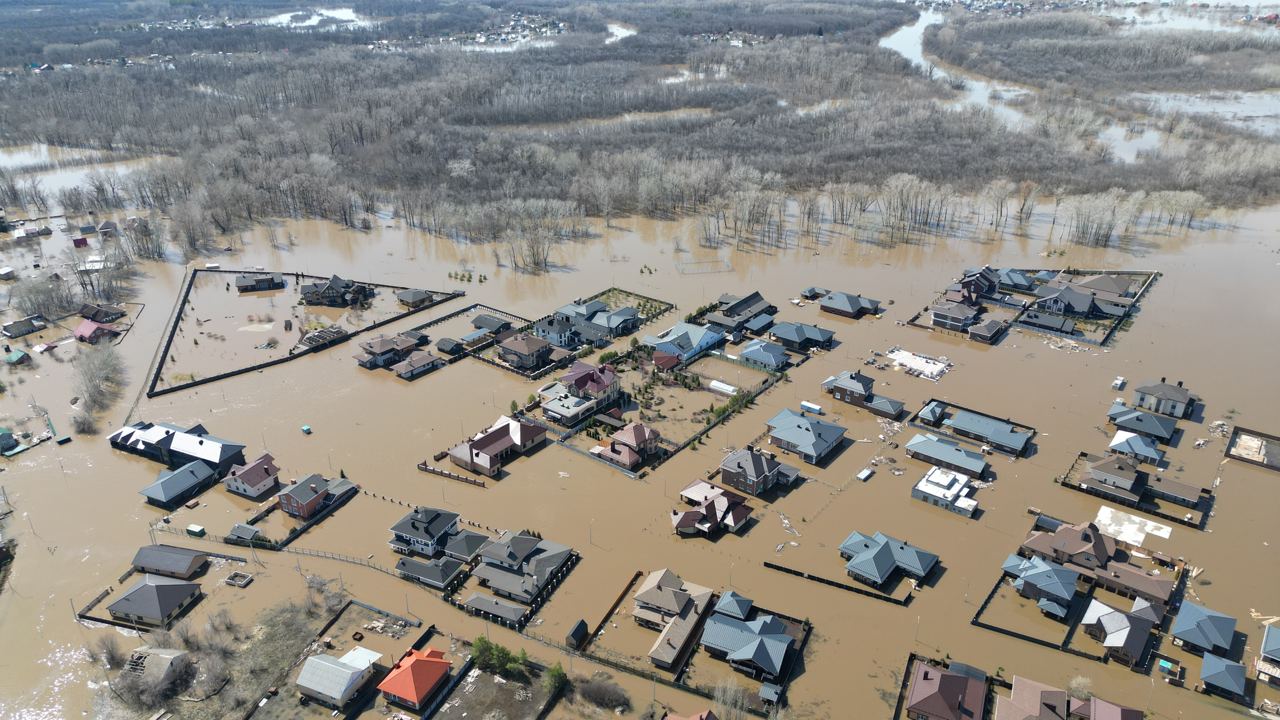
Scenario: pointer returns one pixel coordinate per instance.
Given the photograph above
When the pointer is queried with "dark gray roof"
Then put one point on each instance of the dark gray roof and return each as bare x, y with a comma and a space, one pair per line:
809, 435
753, 463
1223, 674
955, 311
168, 559
1166, 391
991, 429
154, 597
876, 557
425, 523
303, 490
436, 573
494, 606
465, 544
492, 323
1140, 421
801, 333
173, 484
849, 303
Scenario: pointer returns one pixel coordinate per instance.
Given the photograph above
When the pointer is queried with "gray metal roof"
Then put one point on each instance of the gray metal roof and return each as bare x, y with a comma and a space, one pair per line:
436, 573
849, 303
937, 450
1223, 674
425, 523
997, 432
1204, 628
172, 484
734, 605
1051, 579
762, 642
169, 560
807, 434
876, 557
1141, 421
1165, 391
154, 597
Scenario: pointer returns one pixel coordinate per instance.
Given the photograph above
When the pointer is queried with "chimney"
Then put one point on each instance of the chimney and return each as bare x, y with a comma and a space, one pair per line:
1162, 379
1179, 383
314, 488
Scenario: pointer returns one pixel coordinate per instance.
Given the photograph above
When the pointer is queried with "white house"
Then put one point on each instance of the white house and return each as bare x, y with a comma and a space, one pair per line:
334, 681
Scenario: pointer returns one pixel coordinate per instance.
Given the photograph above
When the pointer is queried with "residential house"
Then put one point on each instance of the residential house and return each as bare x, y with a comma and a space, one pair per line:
813, 292
936, 693
848, 305
424, 531
336, 292
491, 324
1118, 471
856, 389
1085, 549
946, 453
449, 346
946, 489
1081, 296
306, 498
629, 446
1124, 637
1014, 280
175, 447
413, 298
754, 643
415, 678
1198, 628
155, 601
419, 363
684, 341
333, 681
801, 337
24, 326
1138, 447
1157, 427
581, 392
175, 487
999, 434
108, 227
1051, 585
170, 561
734, 312
1031, 700
157, 667
525, 352
673, 607
488, 450
17, 357
1053, 323
877, 559
259, 282
715, 510
988, 331
807, 436
437, 573
519, 565
101, 313
1172, 400
1225, 678
91, 332
755, 471
953, 316
254, 479
977, 284
1268, 661
759, 324
764, 354
383, 351
590, 322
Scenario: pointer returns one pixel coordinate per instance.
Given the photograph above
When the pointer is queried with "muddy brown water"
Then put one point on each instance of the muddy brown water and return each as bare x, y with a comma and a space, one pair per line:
78, 517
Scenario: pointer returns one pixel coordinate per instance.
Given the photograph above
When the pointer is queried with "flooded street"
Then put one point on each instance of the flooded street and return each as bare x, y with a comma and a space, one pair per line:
78, 518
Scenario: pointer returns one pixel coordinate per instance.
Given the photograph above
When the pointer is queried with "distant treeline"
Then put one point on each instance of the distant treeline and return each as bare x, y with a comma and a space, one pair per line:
454, 139
1092, 53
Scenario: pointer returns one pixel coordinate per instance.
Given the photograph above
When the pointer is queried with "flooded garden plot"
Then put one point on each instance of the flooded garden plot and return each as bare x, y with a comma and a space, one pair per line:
1153, 494
355, 626
1255, 447
1009, 613
481, 695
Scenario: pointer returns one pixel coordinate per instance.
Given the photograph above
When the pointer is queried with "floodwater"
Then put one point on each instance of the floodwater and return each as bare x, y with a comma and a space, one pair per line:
1256, 111
78, 517
16, 158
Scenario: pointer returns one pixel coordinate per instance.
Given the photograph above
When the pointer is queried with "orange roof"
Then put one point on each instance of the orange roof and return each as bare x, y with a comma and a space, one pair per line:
416, 675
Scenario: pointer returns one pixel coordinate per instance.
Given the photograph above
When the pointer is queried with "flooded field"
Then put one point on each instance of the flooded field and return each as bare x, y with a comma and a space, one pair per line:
78, 518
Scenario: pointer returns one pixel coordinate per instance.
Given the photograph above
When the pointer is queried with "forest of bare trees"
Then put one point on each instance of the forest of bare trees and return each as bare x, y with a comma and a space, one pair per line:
516, 148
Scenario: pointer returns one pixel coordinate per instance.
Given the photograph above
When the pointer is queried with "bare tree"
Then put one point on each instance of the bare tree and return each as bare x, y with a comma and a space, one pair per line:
99, 374
731, 700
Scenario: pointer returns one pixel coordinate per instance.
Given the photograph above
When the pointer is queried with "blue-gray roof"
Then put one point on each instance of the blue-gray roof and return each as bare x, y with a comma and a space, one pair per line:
1053, 608
807, 434
1140, 421
802, 332
938, 450
1049, 578
849, 303
888, 406
1271, 643
1204, 628
759, 323
876, 557
172, 484
734, 605
1130, 443
1223, 674
997, 432
769, 354
762, 641
933, 411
